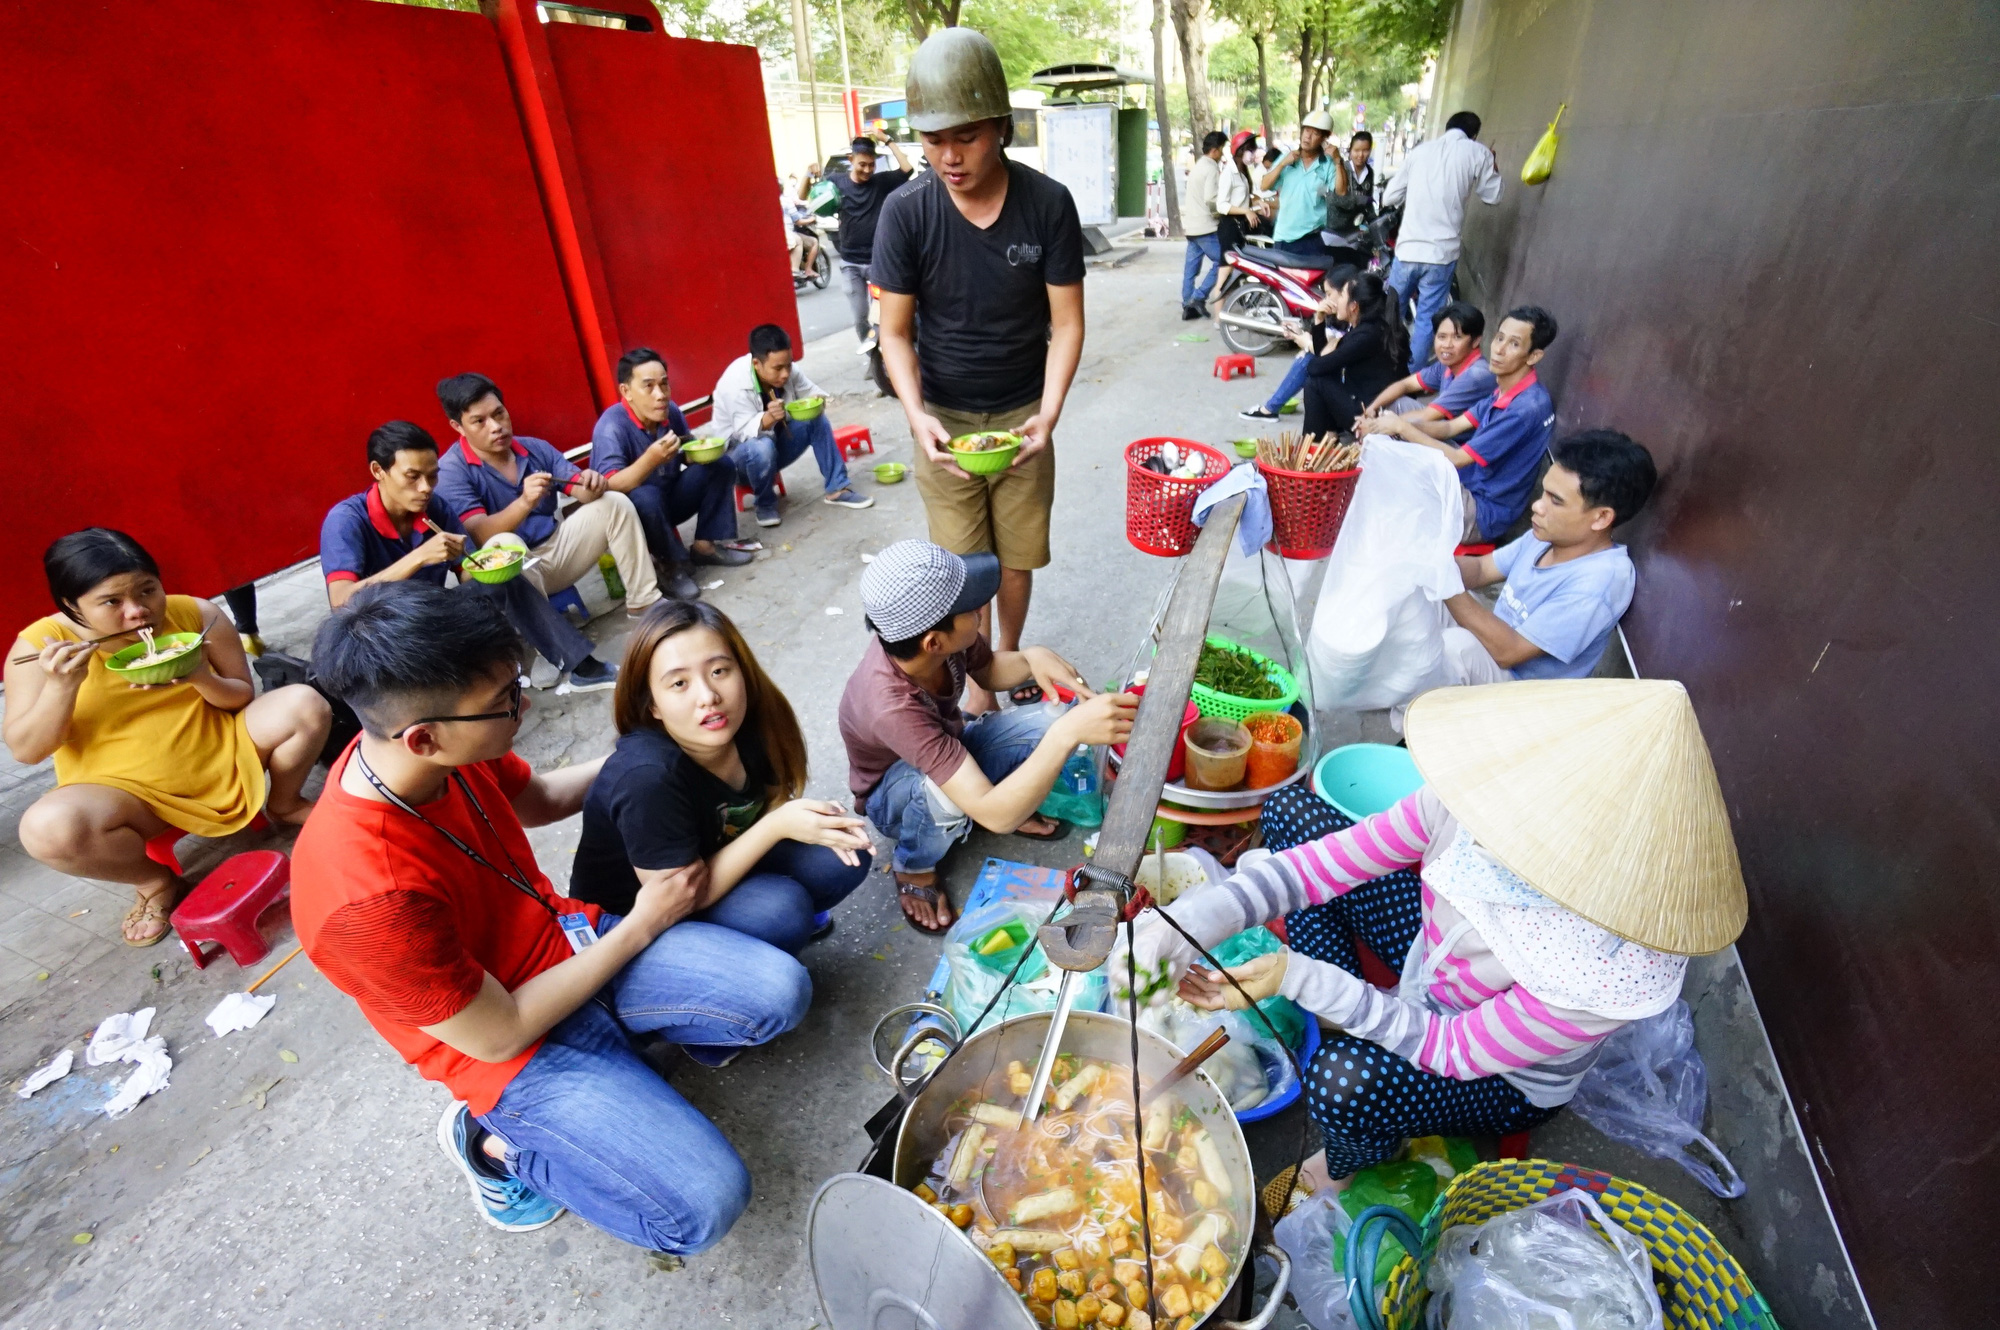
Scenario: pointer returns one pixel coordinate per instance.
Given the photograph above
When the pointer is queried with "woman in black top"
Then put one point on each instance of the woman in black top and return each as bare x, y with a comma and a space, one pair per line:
709, 766
1347, 374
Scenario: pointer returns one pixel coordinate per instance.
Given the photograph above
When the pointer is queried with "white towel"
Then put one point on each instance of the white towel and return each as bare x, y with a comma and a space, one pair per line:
239, 1011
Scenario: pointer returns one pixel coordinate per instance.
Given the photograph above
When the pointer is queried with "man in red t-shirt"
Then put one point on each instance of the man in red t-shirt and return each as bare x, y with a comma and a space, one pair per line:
415, 891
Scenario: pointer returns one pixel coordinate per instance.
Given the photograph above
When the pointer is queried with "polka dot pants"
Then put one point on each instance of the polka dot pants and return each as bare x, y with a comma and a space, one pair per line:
1367, 1100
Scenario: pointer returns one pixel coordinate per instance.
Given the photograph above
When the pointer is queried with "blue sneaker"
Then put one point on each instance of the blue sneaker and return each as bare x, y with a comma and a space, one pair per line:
848, 499
503, 1202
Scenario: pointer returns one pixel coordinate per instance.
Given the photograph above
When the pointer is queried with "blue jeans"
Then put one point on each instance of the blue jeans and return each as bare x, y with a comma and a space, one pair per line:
1198, 248
1296, 374
777, 900
539, 623
1431, 284
899, 806
762, 458
680, 490
591, 1125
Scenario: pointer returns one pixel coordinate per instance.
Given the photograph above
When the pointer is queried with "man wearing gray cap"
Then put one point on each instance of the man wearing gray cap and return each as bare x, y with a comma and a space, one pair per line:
985, 255
919, 770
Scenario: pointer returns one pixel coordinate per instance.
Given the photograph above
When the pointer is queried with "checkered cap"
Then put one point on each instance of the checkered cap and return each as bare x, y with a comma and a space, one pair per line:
910, 587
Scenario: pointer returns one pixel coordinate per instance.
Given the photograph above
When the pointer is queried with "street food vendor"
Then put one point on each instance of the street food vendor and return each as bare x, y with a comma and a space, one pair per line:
1570, 850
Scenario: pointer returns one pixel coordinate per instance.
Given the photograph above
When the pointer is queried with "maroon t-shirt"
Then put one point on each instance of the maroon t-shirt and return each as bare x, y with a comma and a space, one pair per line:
885, 715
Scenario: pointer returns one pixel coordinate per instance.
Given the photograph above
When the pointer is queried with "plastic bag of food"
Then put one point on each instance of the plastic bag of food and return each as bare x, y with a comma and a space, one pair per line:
980, 951
1249, 1069
1543, 159
1649, 1089
1314, 1236
1543, 1265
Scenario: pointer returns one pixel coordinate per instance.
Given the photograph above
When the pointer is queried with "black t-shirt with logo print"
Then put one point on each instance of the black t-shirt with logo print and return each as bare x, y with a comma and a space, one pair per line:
982, 298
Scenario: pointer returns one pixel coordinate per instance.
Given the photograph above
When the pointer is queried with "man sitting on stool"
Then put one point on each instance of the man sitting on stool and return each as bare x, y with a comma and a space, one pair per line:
750, 411
1568, 582
637, 445
1459, 375
493, 482
399, 530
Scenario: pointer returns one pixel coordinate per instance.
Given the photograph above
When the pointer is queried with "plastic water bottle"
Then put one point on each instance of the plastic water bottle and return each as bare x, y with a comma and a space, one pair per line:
614, 585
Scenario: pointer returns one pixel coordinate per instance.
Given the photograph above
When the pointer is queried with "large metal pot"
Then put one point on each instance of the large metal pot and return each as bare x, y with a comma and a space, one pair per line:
1109, 1038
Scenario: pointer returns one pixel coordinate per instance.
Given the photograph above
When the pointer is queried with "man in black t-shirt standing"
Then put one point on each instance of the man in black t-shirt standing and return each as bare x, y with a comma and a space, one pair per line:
987, 256
862, 191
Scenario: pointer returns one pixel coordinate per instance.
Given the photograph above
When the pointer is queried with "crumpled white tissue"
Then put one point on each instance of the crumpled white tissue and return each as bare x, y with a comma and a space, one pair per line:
122, 1038
239, 1011
55, 1071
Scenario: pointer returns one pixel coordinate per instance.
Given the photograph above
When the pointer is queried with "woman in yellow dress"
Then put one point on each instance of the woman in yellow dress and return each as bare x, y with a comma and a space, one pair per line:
133, 762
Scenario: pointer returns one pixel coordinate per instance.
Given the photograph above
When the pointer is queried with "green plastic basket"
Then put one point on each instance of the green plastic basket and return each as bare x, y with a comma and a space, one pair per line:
1232, 707
1702, 1286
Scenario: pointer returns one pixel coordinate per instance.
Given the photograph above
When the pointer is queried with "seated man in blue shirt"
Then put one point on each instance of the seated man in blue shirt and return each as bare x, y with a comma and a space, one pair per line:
399, 530
636, 446
493, 482
1499, 441
1458, 374
750, 411
1567, 582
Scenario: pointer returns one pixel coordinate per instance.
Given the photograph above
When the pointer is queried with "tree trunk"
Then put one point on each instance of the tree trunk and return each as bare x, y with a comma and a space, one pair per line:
801, 41
1169, 190
1188, 27
1305, 67
1263, 87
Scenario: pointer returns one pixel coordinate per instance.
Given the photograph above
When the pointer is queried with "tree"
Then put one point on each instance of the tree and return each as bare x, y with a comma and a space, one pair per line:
1364, 43
1260, 20
1188, 16
1168, 188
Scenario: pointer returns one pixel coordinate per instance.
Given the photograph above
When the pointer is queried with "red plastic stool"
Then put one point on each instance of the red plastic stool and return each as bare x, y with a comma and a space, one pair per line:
1474, 549
227, 905
160, 850
745, 496
1514, 1146
1228, 367
853, 440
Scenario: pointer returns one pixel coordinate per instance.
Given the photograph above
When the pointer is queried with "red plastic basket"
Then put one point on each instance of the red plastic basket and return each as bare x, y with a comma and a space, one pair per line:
1307, 508
1159, 509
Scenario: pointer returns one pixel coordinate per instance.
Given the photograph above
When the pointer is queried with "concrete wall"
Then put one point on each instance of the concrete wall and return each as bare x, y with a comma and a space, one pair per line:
1770, 241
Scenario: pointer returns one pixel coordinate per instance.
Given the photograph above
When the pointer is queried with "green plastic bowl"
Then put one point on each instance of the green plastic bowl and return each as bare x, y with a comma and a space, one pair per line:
991, 461
507, 540
806, 408
1364, 779
506, 572
890, 472
703, 451
1245, 447
164, 671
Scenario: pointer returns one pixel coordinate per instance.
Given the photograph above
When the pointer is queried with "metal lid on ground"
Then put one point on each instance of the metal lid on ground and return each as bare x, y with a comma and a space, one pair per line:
883, 1260
1599, 793
955, 79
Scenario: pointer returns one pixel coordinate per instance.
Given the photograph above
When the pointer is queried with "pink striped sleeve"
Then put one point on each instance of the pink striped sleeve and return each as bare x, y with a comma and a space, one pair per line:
1504, 1033
1372, 847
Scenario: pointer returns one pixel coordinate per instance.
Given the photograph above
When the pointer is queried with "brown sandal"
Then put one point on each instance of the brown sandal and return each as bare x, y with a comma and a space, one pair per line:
929, 894
142, 911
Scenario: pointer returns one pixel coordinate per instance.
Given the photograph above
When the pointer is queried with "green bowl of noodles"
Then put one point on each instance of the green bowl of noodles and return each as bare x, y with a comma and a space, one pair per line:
171, 656
496, 563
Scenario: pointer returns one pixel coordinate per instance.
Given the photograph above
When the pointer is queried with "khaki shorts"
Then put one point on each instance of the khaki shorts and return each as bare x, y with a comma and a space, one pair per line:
1005, 514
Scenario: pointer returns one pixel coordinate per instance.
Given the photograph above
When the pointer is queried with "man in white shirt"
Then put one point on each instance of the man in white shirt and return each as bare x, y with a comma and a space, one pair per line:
1433, 185
752, 400
1198, 224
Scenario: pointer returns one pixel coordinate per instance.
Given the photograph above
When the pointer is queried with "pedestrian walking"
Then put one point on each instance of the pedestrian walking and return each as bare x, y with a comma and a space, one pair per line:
1437, 177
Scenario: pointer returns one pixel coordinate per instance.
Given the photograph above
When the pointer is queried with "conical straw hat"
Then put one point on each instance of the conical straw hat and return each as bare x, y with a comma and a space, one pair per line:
1599, 793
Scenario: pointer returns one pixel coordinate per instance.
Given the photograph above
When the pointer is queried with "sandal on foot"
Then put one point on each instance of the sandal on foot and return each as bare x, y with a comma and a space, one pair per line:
153, 907
1026, 695
929, 894
1061, 829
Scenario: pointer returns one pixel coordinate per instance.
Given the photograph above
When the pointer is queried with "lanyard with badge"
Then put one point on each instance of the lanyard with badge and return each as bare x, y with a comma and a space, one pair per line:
575, 927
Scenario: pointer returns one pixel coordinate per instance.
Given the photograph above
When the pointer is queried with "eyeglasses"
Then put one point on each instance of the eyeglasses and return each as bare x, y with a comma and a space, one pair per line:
513, 712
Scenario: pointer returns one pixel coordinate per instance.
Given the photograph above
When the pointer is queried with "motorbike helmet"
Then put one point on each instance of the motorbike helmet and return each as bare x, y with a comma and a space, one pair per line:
955, 79
1319, 120
1243, 136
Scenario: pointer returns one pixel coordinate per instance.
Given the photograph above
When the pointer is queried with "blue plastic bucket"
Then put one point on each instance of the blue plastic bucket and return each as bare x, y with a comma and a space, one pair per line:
1278, 1103
1363, 779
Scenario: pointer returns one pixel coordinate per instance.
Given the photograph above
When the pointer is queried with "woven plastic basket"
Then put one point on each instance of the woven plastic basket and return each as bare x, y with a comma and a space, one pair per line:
1702, 1286
1159, 510
1307, 508
1230, 706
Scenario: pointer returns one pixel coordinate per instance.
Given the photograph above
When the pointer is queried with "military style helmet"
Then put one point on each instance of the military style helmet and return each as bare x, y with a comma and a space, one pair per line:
955, 79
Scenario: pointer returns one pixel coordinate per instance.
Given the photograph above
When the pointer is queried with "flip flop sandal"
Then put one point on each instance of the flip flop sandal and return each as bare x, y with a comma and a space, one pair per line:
930, 896
1061, 830
1026, 695
144, 910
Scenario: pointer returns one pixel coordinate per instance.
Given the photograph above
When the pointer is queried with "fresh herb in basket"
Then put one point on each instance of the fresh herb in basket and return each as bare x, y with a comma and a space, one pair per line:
1236, 672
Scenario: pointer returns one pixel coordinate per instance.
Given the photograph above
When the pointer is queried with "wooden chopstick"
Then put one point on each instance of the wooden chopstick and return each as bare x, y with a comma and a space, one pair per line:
23, 660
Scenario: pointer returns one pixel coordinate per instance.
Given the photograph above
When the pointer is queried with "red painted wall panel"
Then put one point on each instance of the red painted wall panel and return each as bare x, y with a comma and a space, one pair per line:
673, 145
238, 236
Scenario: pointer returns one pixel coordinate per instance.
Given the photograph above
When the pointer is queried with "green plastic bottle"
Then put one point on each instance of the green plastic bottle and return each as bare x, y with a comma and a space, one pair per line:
614, 585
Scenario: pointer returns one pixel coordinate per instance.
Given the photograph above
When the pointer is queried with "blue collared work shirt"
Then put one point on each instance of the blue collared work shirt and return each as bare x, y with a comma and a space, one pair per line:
470, 488
358, 540
618, 437
1512, 432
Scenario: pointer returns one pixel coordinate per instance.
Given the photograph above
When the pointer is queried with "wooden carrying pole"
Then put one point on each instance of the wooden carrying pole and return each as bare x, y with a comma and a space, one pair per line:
1128, 818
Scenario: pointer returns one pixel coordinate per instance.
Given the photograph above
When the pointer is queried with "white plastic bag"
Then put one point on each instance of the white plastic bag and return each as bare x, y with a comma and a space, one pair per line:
1378, 631
1249, 1069
1313, 1235
974, 981
1649, 1089
1543, 1267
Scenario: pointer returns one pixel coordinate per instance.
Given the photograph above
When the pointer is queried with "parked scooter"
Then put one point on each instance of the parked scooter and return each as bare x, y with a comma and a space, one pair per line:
1263, 287
822, 264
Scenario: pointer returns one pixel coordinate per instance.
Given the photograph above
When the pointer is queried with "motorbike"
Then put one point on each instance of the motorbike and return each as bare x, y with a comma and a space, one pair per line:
821, 272
1262, 287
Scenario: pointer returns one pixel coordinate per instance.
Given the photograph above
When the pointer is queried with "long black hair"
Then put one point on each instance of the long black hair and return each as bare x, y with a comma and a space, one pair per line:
79, 561
1378, 303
